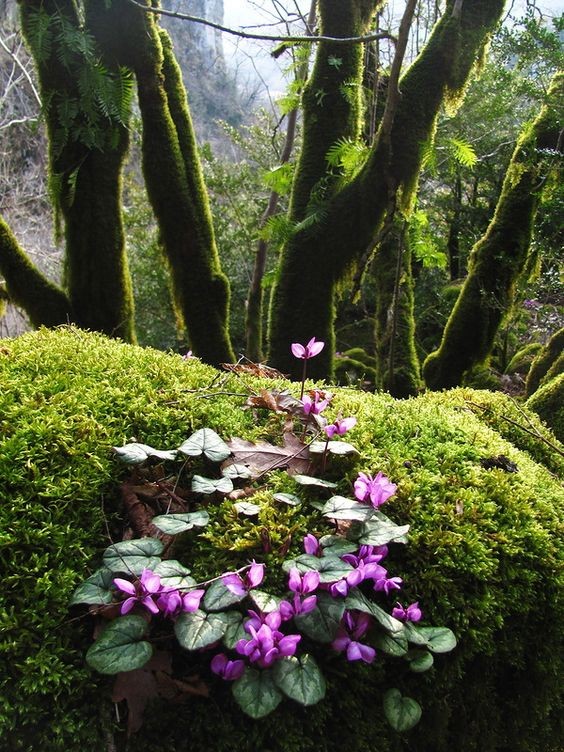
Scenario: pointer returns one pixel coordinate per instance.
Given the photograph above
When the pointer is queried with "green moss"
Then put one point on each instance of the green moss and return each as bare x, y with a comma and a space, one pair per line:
482, 559
550, 356
523, 358
548, 403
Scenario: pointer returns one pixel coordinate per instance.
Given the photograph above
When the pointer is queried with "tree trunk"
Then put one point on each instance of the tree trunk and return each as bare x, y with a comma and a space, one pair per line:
318, 258
500, 256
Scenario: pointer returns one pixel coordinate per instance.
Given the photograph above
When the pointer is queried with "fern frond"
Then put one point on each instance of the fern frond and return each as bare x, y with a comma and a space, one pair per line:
462, 152
40, 34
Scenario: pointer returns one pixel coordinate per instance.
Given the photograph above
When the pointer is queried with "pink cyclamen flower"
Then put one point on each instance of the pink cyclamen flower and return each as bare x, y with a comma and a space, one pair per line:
340, 427
228, 670
353, 627
316, 405
301, 586
312, 545
377, 489
241, 586
172, 602
307, 351
188, 355
143, 592
386, 584
411, 613
267, 645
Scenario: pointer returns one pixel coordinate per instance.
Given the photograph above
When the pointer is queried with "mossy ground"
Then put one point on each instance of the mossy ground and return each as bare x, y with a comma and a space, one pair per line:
484, 556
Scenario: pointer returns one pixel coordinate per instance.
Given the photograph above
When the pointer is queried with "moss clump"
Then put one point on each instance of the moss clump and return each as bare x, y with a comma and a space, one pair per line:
548, 403
483, 554
523, 358
549, 359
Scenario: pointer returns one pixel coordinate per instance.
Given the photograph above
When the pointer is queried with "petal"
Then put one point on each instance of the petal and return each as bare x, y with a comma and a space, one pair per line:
255, 575
234, 584
314, 348
127, 605
234, 670
331, 430
295, 580
310, 582
286, 610
218, 664
341, 643
308, 604
150, 604
353, 651
311, 544
273, 619
298, 351
367, 653
287, 645
125, 586
346, 424
191, 601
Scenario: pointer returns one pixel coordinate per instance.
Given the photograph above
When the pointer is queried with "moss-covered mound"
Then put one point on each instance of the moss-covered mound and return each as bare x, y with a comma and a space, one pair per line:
548, 403
483, 557
549, 360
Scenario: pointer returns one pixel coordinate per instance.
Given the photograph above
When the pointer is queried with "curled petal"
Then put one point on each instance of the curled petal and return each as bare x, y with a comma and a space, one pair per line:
330, 430
273, 619
339, 589
150, 581
310, 582
234, 584
150, 604
308, 604
298, 351
287, 645
124, 585
313, 348
341, 642
191, 601
127, 605
255, 575
286, 610
295, 580
311, 545
358, 652
346, 424
218, 663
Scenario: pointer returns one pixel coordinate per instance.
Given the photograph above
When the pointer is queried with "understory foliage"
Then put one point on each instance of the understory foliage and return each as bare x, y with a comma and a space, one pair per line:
475, 481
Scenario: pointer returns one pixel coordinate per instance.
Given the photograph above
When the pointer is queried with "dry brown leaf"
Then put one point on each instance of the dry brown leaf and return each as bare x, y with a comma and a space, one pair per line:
262, 456
139, 686
254, 369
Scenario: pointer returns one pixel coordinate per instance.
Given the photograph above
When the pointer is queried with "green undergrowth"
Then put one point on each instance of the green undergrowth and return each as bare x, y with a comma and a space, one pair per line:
484, 552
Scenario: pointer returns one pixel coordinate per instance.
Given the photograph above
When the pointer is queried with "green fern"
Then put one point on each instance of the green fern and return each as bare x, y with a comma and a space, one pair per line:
280, 178
462, 152
423, 243
40, 34
347, 155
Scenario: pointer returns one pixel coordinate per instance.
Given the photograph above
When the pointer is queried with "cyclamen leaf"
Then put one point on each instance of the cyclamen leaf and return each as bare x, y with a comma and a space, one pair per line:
265, 602
300, 679
322, 623
359, 602
133, 556
234, 631
330, 568
198, 629
218, 597
245, 507
173, 574
376, 532
420, 661
235, 470
392, 644
207, 442
309, 480
173, 524
256, 693
333, 447
340, 508
211, 485
135, 453
435, 639
286, 498
402, 713
337, 545
120, 647
95, 590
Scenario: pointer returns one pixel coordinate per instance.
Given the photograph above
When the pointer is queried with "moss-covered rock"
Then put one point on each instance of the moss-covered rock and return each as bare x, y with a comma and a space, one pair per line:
483, 556
521, 361
548, 403
549, 359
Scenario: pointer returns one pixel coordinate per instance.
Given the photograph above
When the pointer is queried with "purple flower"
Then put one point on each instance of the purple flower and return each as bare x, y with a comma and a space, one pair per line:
353, 627
191, 601
340, 427
257, 619
308, 351
385, 584
362, 571
411, 613
300, 586
143, 592
366, 554
311, 545
228, 670
378, 489
267, 645
316, 405
241, 586
188, 355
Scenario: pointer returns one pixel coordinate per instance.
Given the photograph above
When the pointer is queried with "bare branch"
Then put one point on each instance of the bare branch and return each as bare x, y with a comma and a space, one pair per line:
246, 35
23, 69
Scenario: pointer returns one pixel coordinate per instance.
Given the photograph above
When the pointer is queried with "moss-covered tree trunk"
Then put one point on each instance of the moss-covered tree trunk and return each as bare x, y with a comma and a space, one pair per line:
44, 302
172, 173
318, 257
86, 152
397, 364
500, 256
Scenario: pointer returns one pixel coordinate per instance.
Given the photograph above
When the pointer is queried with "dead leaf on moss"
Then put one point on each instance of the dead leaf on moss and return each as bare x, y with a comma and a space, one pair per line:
254, 369
139, 686
261, 457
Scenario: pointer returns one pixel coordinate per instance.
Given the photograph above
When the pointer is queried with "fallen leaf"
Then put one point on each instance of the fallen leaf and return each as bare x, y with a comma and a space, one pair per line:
139, 686
254, 369
261, 457
280, 402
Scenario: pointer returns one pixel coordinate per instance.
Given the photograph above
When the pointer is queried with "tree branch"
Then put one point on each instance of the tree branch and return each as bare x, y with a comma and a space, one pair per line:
265, 37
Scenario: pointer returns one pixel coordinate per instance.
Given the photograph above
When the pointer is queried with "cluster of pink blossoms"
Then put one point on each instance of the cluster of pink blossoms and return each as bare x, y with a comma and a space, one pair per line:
149, 592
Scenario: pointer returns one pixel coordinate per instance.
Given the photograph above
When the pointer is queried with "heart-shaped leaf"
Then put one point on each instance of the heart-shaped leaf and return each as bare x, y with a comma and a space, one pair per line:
357, 601
340, 508
234, 631
286, 498
330, 568
333, 447
420, 661
120, 647
376, 532
211, 485
435, 639
322, 623
218, 597
236, 470
133, 556
300, 679
246, 508
337, 545
309, 480
198, 629
207, 442
173, 524
135, 453
402, 713
265, 602
95, 590
392, 644
173, 574
256, 693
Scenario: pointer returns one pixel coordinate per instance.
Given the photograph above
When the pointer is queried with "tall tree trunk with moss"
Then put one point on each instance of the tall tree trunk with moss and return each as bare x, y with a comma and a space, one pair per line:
172, 173
87, 145
342, 221
499, 258
397, 365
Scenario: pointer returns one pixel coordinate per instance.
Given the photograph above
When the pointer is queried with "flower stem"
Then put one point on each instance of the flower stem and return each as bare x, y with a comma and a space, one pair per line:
303, 378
